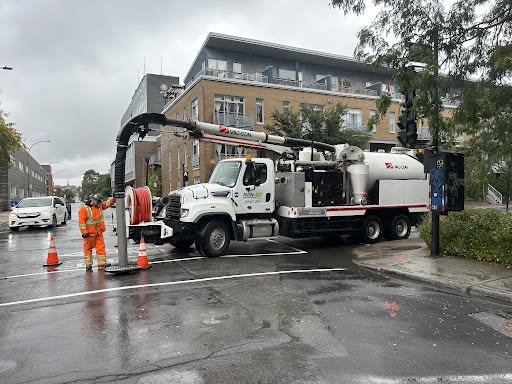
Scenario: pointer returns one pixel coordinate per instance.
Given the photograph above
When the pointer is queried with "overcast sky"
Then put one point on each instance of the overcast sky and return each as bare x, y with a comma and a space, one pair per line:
77, 63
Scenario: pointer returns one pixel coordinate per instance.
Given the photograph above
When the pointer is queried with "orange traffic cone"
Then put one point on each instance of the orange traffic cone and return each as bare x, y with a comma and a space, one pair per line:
142, 258
53, 259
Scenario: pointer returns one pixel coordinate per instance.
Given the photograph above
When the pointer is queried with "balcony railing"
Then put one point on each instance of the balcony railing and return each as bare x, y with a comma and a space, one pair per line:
256, 77
339, 87
359, 127
236, 120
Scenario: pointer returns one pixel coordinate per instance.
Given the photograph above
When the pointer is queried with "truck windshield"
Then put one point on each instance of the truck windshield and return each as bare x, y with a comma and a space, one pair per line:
226, 173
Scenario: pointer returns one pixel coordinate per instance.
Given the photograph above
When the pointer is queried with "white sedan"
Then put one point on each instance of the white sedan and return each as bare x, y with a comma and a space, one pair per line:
38, 212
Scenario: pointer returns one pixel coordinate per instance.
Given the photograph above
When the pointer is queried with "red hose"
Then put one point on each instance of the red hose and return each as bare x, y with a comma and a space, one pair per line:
139, 205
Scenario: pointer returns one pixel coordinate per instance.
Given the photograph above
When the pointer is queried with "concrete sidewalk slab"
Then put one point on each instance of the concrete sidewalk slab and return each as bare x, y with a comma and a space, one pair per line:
411, 258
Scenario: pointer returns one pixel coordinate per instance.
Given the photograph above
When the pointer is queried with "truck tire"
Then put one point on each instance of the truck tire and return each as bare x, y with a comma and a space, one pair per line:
371, 230
399, 227
181, 243
214, 239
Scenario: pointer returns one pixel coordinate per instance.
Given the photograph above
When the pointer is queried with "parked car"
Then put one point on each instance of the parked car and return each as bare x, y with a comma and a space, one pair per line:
68, 206
47, 211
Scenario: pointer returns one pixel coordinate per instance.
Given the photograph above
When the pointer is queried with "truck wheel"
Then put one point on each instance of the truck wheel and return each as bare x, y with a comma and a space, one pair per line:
215, 238
371, 230
182, 243
399, 228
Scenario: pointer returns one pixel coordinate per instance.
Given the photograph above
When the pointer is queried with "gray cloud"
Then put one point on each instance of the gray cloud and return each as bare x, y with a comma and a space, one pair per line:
76, 63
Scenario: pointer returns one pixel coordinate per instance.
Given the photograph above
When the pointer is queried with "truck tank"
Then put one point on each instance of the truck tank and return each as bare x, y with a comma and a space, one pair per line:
392, 166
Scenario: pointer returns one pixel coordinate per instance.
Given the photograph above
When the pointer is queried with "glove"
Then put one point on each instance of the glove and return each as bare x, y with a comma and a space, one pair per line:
85, 235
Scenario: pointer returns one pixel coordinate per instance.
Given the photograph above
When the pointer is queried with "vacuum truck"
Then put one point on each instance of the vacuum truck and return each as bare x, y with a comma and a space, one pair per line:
312, 189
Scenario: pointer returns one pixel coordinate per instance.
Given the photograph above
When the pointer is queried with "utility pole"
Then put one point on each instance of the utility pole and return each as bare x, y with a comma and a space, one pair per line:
434, 247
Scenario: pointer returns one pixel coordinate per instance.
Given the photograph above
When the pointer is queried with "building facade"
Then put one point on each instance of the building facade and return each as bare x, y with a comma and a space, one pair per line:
143, 156
239, 82
24, 178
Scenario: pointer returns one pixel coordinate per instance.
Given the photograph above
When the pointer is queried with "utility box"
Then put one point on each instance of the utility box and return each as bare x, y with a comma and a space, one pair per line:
446, 170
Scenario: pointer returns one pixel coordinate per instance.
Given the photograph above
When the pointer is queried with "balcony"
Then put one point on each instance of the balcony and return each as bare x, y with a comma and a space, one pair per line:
255, 77
235, 120
359, 127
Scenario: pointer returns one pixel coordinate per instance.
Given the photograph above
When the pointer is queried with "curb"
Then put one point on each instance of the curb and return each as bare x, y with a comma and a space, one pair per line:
380, 258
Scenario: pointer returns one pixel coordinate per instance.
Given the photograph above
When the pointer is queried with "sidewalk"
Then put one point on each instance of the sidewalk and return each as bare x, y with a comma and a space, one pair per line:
411, 258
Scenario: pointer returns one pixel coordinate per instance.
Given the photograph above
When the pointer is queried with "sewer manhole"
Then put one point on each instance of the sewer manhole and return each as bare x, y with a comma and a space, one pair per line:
406, 248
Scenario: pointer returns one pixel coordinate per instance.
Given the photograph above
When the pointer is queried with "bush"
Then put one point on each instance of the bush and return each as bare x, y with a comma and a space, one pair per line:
480, 234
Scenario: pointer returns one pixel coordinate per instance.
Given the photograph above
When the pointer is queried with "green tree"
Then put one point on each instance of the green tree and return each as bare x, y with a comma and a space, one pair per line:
155, 182
470, 39
104, 186
94, 182
470, 44
326, 126
89, 183
70, 196
10, 140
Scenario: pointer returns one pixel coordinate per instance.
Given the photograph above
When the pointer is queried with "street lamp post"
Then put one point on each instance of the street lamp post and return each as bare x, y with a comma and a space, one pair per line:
28, 163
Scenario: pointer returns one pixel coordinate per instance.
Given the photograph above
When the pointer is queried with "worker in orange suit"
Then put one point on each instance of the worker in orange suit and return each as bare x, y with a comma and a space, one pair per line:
92, 226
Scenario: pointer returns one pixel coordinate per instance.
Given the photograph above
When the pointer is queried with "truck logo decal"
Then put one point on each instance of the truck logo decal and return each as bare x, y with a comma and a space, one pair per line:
236, 194
234, 132
391, 166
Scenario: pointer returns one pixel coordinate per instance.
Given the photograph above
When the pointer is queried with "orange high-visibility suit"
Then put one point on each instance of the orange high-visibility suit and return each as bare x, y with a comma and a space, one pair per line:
91, 222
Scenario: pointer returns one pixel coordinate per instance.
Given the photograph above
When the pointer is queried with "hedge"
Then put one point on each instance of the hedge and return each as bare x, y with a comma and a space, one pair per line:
480, 234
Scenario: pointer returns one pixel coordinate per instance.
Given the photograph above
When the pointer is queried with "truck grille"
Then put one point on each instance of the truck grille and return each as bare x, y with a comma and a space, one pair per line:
173, 210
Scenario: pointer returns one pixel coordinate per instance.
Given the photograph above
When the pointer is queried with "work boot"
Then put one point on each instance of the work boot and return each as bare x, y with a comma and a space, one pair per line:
88, 268
103, 266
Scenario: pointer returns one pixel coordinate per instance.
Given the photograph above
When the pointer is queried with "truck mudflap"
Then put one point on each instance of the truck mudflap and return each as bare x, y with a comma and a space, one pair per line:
153, 229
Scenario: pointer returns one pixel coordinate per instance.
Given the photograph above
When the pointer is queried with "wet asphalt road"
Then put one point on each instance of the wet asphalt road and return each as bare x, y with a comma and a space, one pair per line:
283, 311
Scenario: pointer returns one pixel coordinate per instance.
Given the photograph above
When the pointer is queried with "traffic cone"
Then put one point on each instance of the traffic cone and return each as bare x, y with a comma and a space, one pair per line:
142, 258
53, 259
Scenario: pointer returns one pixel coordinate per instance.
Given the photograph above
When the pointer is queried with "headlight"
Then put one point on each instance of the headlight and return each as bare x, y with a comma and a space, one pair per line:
184, 212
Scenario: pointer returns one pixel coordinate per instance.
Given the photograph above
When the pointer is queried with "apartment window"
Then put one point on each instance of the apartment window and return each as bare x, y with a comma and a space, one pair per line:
179, 159
392, 122
237, 67
195, 153
217, 67
259, 111
220, 65
373, 114
197, 180
228, 109
185, 162
195, 109
353, 119
170, 160
286, 107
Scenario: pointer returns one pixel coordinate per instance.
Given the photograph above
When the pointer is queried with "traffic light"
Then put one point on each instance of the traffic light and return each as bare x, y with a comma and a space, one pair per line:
408, 135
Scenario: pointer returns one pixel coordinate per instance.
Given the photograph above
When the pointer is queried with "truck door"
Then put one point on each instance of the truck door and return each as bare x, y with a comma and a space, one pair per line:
254, 193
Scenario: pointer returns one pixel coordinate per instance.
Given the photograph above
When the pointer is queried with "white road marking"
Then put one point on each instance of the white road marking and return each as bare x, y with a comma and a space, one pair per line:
192, 281
78, 269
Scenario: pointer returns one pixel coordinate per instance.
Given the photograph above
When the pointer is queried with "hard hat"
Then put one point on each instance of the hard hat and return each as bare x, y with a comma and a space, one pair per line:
98, 197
